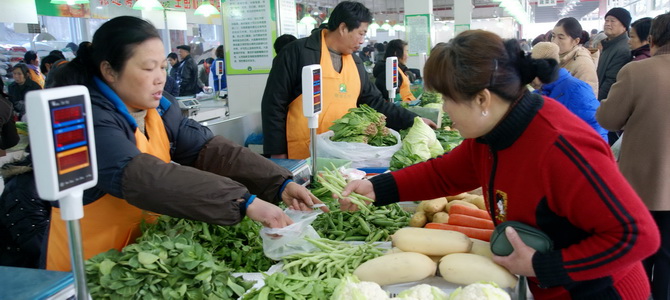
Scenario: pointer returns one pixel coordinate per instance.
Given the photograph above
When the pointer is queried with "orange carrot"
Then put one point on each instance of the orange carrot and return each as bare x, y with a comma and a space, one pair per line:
470, 221
475, 233
473, 212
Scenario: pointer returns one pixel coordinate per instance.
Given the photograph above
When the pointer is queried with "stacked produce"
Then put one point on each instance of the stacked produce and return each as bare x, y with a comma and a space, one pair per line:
363, 125
335, 260
240, 246
297, 287
419, 145
463, 213
162, 267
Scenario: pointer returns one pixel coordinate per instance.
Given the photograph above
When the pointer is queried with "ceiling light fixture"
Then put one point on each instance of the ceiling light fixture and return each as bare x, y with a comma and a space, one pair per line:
70, 2
206, 9
147, 5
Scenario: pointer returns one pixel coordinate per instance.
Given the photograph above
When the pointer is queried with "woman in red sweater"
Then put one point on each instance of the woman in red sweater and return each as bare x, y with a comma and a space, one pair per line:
537, 163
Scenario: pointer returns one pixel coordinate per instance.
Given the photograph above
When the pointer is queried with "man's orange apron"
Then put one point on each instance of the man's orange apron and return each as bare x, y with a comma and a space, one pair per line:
339, 93
405, 91
109, 222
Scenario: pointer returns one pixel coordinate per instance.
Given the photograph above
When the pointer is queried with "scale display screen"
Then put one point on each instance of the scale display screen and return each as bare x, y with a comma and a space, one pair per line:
316, 81
70, 141
395, 73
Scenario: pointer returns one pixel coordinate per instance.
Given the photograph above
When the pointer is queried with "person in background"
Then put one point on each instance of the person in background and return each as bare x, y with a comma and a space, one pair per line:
593, 34
215, 78
33, 63
17, 90
638, 42
53, 71
345, 84
203, 73
365, 54
567, 34
523, 43
397, 48
139, 132
47, 63
380, 49
538, 164
173, 65
282, 41
57, 53
187, 72
615, 53
638, 102
73, 47
171, 86
575, 94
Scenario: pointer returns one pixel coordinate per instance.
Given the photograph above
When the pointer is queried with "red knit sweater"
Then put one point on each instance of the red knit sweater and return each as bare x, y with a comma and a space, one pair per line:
545, 167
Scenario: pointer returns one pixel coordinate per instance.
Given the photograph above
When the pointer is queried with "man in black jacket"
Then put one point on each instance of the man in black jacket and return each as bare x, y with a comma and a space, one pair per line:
187, 77
345, 83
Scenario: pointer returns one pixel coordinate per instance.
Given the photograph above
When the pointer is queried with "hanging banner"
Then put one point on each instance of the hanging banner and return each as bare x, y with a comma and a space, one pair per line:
250, 30
45, 8
417, 28
288, 20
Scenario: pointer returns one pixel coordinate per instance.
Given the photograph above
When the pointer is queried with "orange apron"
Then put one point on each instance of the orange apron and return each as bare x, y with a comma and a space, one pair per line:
339, 93
109, 222
405, 91
36, 77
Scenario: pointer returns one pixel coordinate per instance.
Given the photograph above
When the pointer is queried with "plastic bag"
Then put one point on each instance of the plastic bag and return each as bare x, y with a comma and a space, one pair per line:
361, 155
280, 242
616, 147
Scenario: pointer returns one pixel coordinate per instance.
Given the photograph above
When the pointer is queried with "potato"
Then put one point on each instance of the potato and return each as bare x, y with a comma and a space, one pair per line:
441, 217
420, 206
429, 216
418, 219
396, 268
434, 242
435, 205
482, 248
468, 268
459, 202
478, 201
456, 197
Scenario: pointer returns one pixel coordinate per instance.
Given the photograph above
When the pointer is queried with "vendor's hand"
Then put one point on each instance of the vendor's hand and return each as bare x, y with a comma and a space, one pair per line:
268, 214
430, 123
520, 262
361, 187
297, 197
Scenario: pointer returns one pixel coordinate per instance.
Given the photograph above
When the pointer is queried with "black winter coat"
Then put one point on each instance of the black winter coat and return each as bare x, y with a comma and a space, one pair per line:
188, 77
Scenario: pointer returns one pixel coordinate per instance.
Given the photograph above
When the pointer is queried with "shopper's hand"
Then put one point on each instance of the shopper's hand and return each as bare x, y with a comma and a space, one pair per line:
297, 197
520, 262
268, 214
430, 123
279, 156
361, 187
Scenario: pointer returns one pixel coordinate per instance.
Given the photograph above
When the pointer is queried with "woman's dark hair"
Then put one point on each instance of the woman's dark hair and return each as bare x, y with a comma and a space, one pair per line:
585, 37
660, 30
477, 60
352, 14
29, 57
49, 59
114, 42
572, 27
57, 53
642, 27
219, 51
83, 44
24, 69
395, 48
282, 41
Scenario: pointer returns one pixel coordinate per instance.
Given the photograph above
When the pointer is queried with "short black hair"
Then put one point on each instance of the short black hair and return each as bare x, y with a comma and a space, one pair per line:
49, 59
642, 27
57, 53
173, 56
184, 47
352, 14
282, 41
29, 56
219, 51
209, 60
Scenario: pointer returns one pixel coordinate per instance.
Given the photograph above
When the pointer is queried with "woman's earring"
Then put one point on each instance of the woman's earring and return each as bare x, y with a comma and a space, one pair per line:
485, 113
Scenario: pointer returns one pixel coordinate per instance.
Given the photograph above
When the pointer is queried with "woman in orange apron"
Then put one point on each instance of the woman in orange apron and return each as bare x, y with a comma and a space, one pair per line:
139, 133
399, 49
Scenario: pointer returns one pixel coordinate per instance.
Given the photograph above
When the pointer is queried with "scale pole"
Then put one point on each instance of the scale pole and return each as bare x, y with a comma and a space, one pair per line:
72, 211
312, 139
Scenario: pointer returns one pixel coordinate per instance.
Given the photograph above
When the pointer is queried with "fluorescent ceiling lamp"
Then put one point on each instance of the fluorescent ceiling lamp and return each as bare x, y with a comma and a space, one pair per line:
148, 5
374, 26
206, 9
399, 27
386, 26
69, 2
308, 20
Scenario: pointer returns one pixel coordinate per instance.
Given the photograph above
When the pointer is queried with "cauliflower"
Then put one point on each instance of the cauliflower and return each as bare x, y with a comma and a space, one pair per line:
350, 288
422, 292
480, 291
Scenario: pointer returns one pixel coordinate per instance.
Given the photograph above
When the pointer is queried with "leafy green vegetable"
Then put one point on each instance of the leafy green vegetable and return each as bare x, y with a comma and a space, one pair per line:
449, 139
430, 97
296, 286
420, 144
162, 266
362, 125
240, 245
379, 225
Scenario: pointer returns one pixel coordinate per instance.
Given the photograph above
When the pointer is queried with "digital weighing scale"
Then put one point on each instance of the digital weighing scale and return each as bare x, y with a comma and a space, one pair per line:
189, 106
391, 76
63, 152
312, 106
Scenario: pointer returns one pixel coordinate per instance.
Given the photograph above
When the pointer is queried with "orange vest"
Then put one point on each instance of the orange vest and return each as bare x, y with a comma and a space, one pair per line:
405, 91
339, 93
109, 222
36, 77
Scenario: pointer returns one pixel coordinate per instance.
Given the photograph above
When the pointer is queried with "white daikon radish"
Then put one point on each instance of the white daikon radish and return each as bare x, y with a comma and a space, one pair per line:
468, 268
433, 242
396, 268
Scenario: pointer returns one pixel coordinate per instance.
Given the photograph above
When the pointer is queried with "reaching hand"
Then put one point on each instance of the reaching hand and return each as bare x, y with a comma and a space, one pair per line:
520, 262
297, 197
429, 123
268, 214
361, 187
